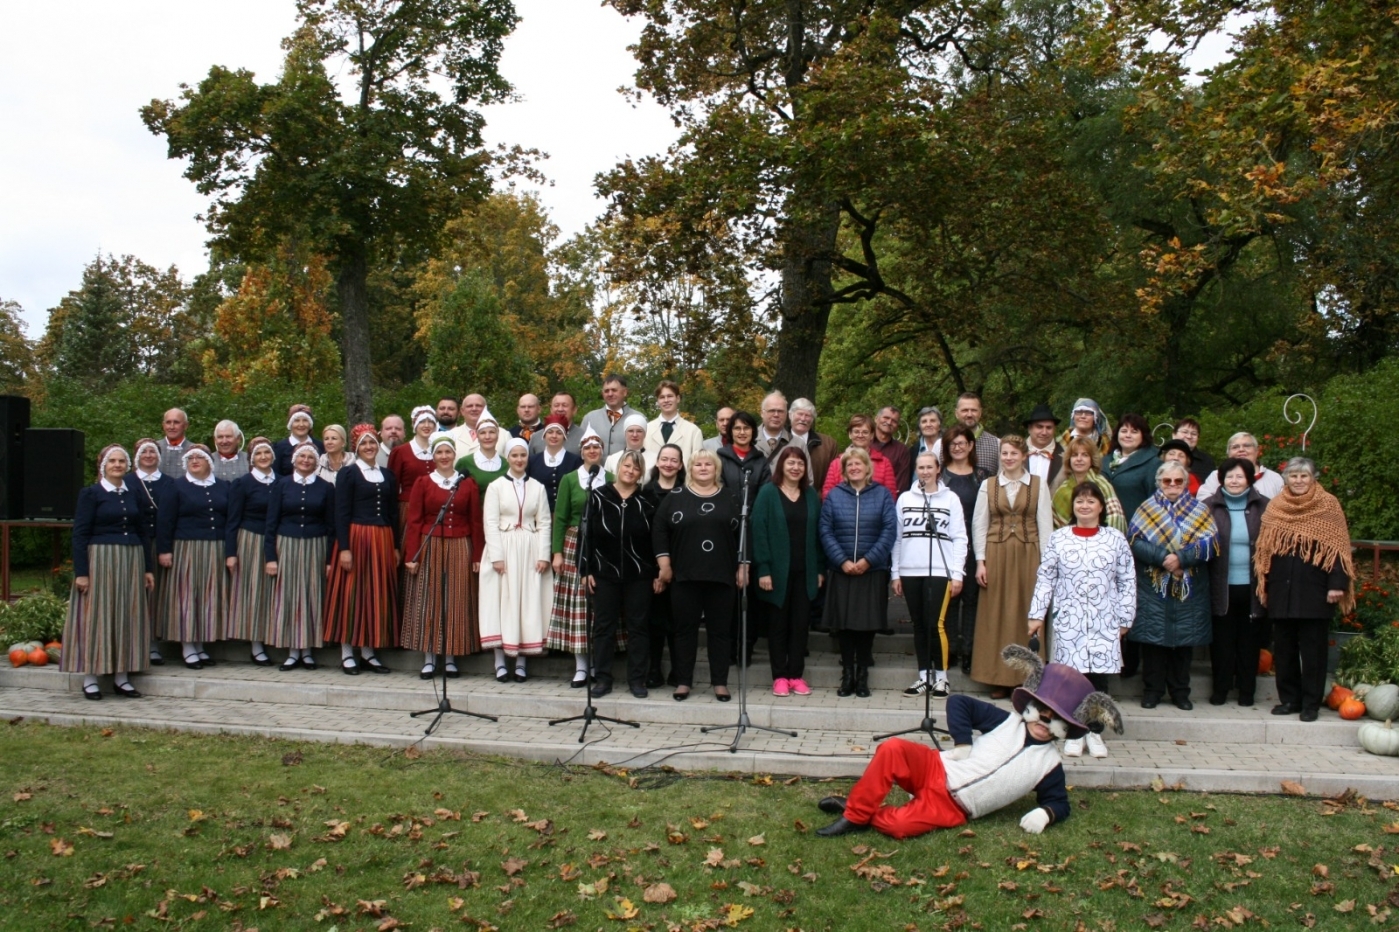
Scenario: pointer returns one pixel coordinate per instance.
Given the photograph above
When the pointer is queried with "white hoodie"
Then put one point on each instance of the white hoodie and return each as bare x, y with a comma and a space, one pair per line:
943, 548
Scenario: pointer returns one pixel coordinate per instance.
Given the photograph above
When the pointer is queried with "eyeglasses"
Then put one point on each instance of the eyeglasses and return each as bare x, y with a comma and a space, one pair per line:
1173, 482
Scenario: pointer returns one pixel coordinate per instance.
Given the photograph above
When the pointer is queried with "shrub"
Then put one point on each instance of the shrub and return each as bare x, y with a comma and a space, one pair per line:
35, 618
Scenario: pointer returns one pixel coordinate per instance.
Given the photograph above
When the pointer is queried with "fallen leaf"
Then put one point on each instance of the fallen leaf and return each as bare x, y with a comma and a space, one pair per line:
698, 823
412, 752
1321, 870
23, 797
196, 815
625, 910
513, 866
1292, 788
757, 840
714, 858
734, 913
561, 918
279, 842
92, 832
478, 816
659, 893
517, 815
597, 834
60, 848
1344, 906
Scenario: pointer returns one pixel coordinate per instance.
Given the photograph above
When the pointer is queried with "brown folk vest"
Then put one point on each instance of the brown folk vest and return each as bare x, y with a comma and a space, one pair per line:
1013, 522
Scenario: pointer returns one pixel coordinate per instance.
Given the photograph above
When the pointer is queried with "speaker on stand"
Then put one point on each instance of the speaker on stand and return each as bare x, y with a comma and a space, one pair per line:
14, 421
53, 472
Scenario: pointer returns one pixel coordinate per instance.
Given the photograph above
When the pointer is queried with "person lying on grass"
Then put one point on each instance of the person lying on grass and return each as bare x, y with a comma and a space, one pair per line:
1013, 755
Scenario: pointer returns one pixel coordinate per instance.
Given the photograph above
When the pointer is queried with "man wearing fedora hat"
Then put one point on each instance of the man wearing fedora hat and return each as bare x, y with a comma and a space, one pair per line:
1013, 755
1046, 455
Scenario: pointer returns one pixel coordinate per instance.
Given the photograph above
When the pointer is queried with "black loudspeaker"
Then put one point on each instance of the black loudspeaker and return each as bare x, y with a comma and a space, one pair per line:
53, 472
14, 421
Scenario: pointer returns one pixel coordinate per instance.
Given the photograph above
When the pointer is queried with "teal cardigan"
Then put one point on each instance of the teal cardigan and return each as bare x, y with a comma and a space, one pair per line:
771, 554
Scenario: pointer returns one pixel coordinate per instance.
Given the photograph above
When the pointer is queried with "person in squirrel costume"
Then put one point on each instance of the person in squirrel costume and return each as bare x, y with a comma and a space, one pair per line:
1013, 755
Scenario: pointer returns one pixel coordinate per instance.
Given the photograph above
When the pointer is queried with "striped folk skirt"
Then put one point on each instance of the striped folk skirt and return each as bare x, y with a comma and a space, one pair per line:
298, 592
108, 629
196, 592
448, 557
250, 592
568, 621
361, 606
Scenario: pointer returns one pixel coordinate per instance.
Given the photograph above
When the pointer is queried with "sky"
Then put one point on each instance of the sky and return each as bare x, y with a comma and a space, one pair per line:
79, 172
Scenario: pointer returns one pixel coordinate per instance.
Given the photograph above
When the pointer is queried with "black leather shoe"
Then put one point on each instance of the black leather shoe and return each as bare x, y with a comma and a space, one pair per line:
291, 663
847, 683
580, 679
262, 660
93, 692
349, 666
373, 665
862, 683
127, 691
207, 660
654, 680
156, 659
1308, 715
1245, 702
835, 805
600, 690
1185, 705
308, 661
1218, 698
841, 826
1149, 703
451, 672
427, 672
640, 691
1286, 708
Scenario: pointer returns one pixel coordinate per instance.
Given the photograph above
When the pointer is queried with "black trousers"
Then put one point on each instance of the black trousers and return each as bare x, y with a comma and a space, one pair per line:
626, 603
961, 612
1165, 669
661, 634
856, 649
1237, 641
788, 629
714, 602
928, 598
1099, 681
1300, 660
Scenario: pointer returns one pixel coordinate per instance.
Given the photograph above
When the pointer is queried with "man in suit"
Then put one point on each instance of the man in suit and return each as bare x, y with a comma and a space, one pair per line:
721, 421
1046, 455
607, 420
174, 444
773, 434
561, 405
670, 427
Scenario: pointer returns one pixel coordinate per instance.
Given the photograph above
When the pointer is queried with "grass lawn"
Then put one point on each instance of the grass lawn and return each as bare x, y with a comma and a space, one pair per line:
126, 827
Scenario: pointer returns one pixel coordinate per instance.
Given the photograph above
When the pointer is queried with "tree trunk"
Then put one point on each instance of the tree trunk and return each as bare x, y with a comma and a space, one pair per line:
806, 308
353, 288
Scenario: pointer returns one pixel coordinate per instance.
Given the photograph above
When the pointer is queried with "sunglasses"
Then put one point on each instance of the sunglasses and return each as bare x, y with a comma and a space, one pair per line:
1173, 482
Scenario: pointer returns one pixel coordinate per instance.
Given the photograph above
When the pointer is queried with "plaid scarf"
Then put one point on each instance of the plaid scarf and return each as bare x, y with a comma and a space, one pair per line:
1183, 527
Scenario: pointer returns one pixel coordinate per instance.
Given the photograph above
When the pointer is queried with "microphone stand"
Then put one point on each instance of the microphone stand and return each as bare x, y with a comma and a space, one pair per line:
929, 724
444, 705
589, 714
744, 723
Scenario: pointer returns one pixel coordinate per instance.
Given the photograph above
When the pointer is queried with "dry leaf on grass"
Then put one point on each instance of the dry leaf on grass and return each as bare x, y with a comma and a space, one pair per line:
757, 840
1293, 788
279, 842
659, 893
513, 866
60, 848
625, 910
597, 834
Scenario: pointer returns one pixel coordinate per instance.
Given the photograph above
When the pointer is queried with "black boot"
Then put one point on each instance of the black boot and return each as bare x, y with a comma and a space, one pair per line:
847, 682
841, 826
862, 682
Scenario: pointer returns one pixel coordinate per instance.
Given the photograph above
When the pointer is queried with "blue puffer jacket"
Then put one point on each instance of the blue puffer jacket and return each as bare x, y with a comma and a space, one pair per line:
859, 524
1169, 622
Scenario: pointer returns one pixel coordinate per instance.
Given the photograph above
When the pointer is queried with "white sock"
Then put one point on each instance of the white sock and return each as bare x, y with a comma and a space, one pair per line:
429, 660
121, 679
199, 646
367, 653
258, 648
580, 663
520, 664
295, 654
449, 662
499, 657
89, 680
923, 676
347, 651
941, 676
189, 649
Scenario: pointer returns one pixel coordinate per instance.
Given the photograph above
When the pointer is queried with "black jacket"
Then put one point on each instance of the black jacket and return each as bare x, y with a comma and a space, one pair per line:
756, 466
1297, 589
619, 535
1219, 566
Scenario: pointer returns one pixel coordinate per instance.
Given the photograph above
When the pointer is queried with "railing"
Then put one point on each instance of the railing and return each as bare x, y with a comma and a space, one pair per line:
1378, 547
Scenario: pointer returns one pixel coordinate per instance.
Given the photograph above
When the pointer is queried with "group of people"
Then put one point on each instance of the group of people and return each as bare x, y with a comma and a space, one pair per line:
450, 534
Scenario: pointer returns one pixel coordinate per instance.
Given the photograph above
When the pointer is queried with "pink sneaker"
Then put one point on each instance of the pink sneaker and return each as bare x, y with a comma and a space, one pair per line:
799, 687
780, 687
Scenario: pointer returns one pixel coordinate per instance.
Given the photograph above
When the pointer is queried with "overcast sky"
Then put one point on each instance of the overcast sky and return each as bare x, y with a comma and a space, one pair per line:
79, 172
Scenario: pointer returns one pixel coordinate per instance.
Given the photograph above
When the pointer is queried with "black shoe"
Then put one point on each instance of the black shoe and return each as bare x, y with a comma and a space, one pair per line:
427, 672
350, 666
375, 666
1308, 715
835, 805
1185, 705
654, 680
847, 683
291, 663
639, 691
724, 696
580, 679
966, 664
92, 692
1245, 702
451, 672
127, 691
207, 660
262, 660
862, 683
502, 675
1218, 698
521, 676
601, 689
156, 659
678, 696
1149, 703
841, 826
308, 661
192, 661
1286, 708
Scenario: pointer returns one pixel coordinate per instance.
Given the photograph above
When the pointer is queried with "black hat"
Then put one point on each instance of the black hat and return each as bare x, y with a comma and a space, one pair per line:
1041, 413
1180, 445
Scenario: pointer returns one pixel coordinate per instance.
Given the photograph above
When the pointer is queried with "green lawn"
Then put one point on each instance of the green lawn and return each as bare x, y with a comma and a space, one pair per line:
126, 827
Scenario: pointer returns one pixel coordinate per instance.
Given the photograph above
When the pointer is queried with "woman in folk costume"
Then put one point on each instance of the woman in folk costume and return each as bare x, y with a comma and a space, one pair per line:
1082, 463
154, 487
1172, 535
108, 626
411, 461
568, 620
1010, 529
300, 527
550, 466
250, 589
1087, 421
230, 459
299, 426
361, 601
486, 464
634, 438
517, 582
337, 452
190, 542
453, 555
1087, 574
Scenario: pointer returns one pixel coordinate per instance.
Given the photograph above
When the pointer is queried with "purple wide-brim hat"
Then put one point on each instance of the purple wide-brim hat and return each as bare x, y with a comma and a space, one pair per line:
1061, 688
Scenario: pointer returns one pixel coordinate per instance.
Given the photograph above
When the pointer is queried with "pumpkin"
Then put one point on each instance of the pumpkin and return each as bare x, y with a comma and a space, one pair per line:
1351, 709
18, 656
53, 644
1382, 702
1379, 739
55, 654
1337, 695
38, 657
1360, 689
1265, 662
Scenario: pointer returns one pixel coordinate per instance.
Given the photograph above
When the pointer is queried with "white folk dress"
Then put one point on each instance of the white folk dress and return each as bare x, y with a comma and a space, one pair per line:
1092, 584
515, 606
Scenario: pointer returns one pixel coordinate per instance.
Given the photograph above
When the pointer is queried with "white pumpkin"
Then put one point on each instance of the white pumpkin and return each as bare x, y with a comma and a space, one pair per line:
1382, 702
1379, 739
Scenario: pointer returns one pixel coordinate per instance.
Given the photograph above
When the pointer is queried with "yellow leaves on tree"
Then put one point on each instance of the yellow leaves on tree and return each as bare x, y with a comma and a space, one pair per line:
277, 327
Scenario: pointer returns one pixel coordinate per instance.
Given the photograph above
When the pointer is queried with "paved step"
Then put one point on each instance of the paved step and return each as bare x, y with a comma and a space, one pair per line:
829, 752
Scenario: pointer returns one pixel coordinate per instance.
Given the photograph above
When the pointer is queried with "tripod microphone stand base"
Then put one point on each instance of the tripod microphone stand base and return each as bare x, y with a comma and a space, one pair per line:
442, 708
590, 715
927, 727
742, 725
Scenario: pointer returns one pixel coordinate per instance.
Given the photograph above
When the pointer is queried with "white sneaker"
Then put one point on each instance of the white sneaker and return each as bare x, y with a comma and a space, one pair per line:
1096, 747
1073, 747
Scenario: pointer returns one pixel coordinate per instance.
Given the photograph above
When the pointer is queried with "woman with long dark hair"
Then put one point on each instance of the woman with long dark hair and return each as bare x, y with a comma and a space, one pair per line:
787, 562
962, 476
666, 476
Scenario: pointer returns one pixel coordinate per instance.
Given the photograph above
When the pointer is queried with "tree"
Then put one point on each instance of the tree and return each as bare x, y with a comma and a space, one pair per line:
370, 177
470, 342
16, 352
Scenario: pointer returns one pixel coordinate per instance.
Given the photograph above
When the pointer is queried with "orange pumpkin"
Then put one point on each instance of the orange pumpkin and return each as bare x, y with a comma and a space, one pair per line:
38, 657
1337, 695
1351, 709
1265, 663
19, 657
58, 644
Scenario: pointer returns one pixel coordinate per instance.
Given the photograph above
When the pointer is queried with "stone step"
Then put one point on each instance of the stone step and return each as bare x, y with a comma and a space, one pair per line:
1235, 766
543, 697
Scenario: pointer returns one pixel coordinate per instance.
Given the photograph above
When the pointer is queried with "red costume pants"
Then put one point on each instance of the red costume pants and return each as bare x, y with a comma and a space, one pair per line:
917, 769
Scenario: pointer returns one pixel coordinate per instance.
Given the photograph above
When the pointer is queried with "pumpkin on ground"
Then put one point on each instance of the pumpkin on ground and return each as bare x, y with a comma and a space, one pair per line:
1382, 702
1351, 709
38, 657
1382, 739
18, 656
1337, 695
1265, 662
